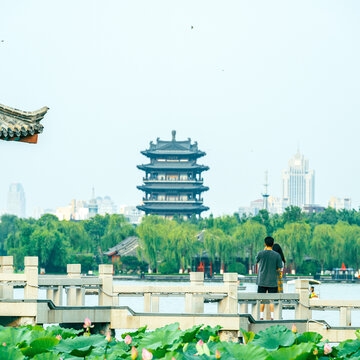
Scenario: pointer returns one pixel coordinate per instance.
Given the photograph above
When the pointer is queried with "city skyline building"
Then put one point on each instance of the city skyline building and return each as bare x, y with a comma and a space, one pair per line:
16, 204
173, 183
298, 182
340, 203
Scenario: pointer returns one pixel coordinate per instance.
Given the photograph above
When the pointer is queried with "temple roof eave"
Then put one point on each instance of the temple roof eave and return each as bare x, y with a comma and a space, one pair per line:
173, 187
186, 167
166, 209
21, 125
187, 153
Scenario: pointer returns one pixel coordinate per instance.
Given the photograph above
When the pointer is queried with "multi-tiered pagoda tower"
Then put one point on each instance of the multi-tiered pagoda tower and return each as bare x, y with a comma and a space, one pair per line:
173, 183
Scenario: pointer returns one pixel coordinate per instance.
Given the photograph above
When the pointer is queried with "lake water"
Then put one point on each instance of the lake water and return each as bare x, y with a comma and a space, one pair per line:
177, 304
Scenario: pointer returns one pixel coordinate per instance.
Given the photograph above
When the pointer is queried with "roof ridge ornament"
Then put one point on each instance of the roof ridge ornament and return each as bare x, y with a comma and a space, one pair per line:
173, 133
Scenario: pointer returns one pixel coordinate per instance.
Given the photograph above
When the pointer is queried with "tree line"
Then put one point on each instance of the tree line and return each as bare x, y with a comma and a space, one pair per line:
311, 242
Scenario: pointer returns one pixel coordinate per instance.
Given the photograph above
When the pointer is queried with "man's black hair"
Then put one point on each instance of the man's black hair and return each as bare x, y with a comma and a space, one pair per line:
269, 241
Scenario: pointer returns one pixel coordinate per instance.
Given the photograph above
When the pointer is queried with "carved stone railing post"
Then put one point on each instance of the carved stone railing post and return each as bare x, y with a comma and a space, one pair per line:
229, 305
106, 297
75, 294
7, 267
32, 277
194, 303
345, 316
303, 308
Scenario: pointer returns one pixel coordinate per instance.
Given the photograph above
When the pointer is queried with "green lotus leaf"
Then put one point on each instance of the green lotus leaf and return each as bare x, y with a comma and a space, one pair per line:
47, 356
161, 338
13, 336
295, 352
137, 333
39, 346
189, 334
274, 337
81, 346
305, 337
229, 350
65, 333
349, 347
10, 353
205, 333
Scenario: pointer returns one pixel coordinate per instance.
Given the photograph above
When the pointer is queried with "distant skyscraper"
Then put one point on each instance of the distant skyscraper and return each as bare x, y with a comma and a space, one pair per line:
298, 182
340, 203
16, 201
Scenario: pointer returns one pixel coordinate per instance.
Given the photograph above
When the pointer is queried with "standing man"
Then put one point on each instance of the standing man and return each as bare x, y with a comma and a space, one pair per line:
269, 262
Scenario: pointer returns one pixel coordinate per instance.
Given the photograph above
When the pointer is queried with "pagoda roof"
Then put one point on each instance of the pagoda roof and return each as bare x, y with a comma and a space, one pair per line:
176, 187
21, 125
173, 208
173, 166
173, 147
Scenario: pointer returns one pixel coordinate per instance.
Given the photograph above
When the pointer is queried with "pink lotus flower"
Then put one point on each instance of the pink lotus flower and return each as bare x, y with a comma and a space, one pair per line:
134, 353
87, 323
217, 354
108, 336
200, 343
146, 355
327, 349
128, 339
294, 329
58, 337
4, 344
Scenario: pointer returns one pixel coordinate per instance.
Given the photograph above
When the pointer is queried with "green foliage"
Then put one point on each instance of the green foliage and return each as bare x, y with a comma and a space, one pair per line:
169, 342
309, 241
272, 338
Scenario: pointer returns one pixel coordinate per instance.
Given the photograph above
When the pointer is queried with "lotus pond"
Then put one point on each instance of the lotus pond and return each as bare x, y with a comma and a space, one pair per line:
169, 343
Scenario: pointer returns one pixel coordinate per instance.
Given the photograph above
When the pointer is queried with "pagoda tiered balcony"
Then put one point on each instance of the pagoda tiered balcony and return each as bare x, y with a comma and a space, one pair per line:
152, 201
173, 166
172, 181
154, 187
172, 208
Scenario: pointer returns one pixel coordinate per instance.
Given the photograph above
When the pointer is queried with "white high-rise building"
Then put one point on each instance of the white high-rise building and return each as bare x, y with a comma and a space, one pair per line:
298, 182
16, 201
340, 203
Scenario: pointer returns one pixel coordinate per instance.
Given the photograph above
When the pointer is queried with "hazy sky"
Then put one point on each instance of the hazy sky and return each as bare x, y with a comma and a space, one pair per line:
250, 81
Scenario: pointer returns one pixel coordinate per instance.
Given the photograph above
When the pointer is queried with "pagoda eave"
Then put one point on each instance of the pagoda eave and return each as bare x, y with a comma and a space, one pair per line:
173, 187
167, 209
167, 167
180, 154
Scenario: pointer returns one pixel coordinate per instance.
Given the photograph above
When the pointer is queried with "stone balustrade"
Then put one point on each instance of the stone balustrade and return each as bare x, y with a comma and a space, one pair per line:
229, 299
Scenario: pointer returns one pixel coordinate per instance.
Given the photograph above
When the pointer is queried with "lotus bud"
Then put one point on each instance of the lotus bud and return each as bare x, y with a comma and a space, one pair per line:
4, 344
294, 329
217, 354
58, 337
327, 349
146, 355
87, 323
200, 343
108, 336
128, 339
315, 352
134, 353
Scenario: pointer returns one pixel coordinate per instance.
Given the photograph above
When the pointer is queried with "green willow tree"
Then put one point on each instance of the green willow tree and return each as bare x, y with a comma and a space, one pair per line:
294, 238
323, 243
249, 239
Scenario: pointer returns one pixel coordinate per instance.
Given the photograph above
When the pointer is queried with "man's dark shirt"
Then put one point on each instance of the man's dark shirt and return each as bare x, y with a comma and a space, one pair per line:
269, 261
